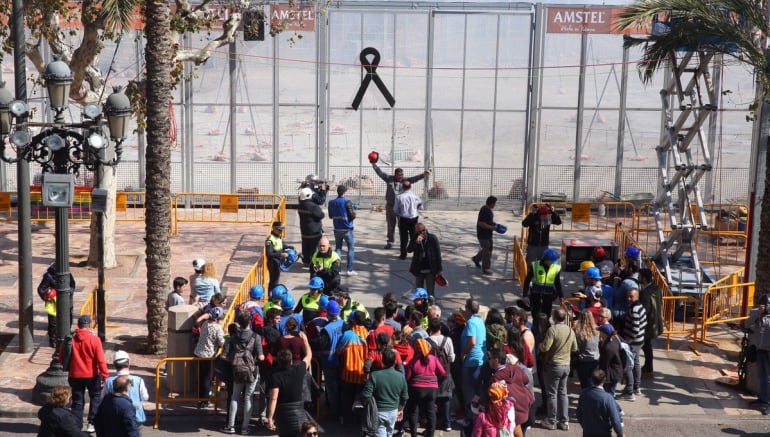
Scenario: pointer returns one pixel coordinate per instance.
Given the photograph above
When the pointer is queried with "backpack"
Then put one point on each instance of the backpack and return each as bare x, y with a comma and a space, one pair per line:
244, 365
66, 351
446, 384
626, 355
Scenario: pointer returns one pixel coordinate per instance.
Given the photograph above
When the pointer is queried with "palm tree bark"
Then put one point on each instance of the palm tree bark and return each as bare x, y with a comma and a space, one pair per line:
158, 56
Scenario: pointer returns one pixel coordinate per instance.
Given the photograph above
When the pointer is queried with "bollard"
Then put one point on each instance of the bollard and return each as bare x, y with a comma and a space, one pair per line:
181, 319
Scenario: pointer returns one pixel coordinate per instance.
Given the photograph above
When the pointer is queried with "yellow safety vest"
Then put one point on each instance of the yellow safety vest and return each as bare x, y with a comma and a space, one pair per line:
310, 302
270, 305
326, 262
542, 277
354, 306
50, 307
276, 242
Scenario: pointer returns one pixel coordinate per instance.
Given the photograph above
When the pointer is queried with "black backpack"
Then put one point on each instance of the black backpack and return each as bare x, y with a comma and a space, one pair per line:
244, 364
440, 353
66, 351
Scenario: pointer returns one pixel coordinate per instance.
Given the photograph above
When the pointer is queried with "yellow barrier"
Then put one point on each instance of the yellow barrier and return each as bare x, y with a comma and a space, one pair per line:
89, 308
227, 208
519, 270
725, 301
175, 396
689, 305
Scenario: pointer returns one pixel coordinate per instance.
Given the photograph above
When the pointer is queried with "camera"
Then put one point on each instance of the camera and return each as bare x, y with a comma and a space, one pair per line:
315, 183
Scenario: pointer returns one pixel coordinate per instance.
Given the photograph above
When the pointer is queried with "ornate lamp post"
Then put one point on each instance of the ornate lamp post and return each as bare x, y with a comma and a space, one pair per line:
61, 148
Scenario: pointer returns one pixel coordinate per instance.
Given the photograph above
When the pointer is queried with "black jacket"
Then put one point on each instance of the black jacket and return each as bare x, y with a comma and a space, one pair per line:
428, 248
57, 422
310, 218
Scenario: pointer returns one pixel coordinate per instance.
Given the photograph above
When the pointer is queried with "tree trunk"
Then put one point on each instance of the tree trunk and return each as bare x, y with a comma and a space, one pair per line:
158, 57
109, 183
762, 260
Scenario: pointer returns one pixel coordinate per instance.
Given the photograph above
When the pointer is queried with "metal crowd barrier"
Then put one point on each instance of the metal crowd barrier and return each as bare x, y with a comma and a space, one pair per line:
226, 208
726, 301
680, 316
519, 260
181, 395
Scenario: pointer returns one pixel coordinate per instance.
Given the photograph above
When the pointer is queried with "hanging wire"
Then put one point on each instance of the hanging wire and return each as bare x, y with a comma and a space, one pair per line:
112, 63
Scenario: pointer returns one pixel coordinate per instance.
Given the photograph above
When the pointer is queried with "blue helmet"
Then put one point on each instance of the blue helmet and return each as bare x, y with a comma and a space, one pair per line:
216, 313
501, 229
593, 273
278, 292
288, 262
632, 252
287, 302
257, 292
323, 301
419, 293
551, 255
316, 283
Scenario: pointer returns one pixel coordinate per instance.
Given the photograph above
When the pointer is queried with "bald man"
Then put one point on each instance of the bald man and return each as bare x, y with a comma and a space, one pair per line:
326, 265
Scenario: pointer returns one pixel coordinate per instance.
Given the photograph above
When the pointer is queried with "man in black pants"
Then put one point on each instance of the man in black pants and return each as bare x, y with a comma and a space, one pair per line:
485, 225
407, 208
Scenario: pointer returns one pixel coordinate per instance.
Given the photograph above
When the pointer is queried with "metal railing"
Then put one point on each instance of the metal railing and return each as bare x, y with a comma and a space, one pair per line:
726, 301
519, 260
182, 395
225, 208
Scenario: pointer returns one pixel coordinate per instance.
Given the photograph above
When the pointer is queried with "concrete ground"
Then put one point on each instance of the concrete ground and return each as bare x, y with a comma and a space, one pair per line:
682, 399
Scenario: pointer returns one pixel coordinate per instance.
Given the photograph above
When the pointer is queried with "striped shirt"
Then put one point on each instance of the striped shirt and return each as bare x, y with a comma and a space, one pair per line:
636, 322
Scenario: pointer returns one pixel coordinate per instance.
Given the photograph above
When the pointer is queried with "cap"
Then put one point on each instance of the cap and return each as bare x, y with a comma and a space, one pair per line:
316, 283
585, 265
595, 292
599, 252
84, 320
333, 308
606, 328
287, 302
216, 313
198, 264
121, 358
278, 225
342, 291
418, 293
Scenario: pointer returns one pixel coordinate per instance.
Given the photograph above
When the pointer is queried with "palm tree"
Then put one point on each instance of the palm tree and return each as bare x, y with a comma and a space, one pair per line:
158, 56
734, 28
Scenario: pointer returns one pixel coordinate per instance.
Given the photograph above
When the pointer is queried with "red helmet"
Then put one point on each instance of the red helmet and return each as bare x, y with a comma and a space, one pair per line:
599, 252
441, 281
543, 210
50, 293
373, 157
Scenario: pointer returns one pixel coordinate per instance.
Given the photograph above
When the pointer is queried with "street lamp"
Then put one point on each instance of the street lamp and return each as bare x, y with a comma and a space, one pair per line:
61, 148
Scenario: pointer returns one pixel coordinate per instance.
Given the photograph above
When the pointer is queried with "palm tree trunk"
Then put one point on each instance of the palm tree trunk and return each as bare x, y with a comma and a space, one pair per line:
762, 260
158, 56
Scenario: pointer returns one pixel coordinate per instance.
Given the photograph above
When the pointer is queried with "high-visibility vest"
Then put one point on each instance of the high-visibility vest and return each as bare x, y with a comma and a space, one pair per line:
544, 277
310, 302
276, 242
325, 261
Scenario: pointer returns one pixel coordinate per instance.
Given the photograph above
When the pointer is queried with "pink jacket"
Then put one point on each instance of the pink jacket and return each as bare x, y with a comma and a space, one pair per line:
482, 427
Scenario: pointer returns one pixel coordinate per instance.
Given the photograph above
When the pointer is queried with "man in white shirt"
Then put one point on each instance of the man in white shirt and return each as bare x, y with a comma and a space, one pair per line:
407, 208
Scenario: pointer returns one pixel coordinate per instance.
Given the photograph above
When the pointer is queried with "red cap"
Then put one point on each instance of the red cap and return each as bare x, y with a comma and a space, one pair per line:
543, 210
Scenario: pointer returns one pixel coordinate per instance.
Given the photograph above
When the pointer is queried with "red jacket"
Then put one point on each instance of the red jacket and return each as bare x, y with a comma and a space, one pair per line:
87, 358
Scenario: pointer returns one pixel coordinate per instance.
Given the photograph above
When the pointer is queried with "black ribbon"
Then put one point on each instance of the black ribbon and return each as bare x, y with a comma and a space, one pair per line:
371, 75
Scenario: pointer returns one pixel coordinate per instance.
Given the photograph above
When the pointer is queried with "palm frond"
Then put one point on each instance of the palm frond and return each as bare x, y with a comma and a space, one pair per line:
118, 14
731, 27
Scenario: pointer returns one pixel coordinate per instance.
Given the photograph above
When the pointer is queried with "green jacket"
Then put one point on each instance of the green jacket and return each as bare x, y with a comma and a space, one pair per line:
652, 301
388, 389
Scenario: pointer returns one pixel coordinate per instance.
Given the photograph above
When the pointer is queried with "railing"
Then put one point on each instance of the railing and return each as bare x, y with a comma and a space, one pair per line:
181, 395
226, 208
519, 260
677, 310
725, 301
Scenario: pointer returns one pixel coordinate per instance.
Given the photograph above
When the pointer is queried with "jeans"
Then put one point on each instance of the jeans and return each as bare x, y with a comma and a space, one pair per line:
584, 369
332, 383
556, 384
79, 387
610, 387
484, 255
422, 401
248, 392
385, 423
636, 372
406, 232
204, 378
426, 281
350, 241
444, 412
470, 386
763, 368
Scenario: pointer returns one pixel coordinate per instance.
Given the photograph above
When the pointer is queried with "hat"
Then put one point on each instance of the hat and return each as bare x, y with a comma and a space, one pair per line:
595, 292
278, 225
606, 328
84, 320
543, 210
599, 252
585, 265
764, 299
342, 291
198, 264
121, 358
550, 255
216, 313
593, 273
632, 252
316, 283
418, 293
333, 308
257, 292
422, 345
323, 301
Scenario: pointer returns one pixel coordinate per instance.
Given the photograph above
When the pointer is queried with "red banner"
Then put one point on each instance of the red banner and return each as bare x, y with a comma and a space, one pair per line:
586, 19
298, 18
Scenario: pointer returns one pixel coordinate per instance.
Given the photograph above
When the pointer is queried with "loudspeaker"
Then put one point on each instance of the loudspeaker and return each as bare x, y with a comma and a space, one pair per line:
99, 200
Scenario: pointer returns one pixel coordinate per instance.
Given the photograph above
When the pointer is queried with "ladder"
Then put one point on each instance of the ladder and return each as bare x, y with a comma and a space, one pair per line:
688, 99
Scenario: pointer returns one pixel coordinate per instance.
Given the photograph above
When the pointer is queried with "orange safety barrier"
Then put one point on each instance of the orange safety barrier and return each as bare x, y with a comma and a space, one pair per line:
227, 208
687, 310
723, 302
181, 395
519, 260
89, 308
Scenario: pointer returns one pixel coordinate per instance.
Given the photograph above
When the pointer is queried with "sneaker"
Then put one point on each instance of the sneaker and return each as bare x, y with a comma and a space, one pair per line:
228, 430
244, 432
402, 257
627, 397
388, 246
476, 262
486, 272
564, 426
547, 424
448, 428
766, 411
637, 391
90, 428
352, 273
357, 404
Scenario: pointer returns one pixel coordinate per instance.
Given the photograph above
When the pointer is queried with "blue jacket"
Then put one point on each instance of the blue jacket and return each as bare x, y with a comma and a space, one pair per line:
116, 417
342, 213
598, 413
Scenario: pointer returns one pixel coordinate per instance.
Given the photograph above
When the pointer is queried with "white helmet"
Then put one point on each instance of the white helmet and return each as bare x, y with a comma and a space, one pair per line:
305, 193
